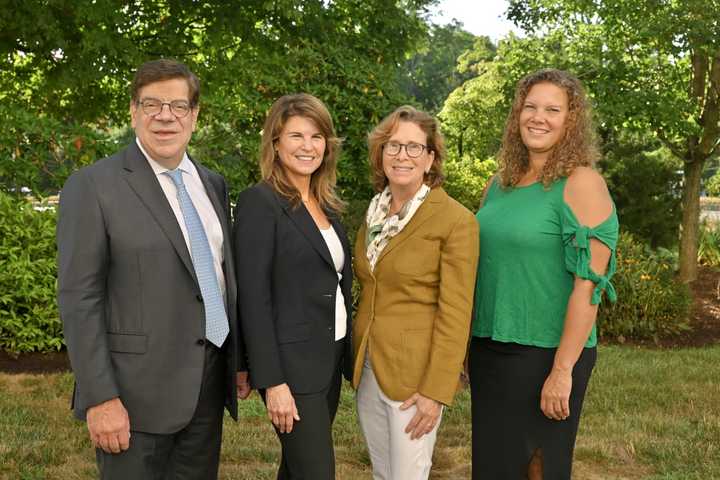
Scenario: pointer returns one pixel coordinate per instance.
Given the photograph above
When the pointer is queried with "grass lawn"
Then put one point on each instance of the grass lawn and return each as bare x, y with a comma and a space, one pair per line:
649, 414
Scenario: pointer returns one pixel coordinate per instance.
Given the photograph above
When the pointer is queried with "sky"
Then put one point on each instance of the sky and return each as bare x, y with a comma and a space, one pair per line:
480, 17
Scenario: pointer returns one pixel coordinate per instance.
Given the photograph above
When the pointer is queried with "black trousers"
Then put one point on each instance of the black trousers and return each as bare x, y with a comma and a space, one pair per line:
193, 453
506, 381
307, 451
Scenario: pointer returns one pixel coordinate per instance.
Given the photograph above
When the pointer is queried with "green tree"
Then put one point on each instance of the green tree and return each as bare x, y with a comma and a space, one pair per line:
643, 177
431, 73
70, 64
474, 113
655, 65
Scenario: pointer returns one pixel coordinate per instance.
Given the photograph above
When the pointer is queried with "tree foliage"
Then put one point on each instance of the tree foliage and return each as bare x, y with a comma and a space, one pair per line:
474, 113
432, 73
646, 185
71, 63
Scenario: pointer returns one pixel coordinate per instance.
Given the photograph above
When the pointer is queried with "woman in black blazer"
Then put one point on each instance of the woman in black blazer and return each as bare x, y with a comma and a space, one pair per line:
294, 279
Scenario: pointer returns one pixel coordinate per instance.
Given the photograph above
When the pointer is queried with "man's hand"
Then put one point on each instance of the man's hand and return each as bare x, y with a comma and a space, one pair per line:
109, 426
243, 385
281, 407
426, 416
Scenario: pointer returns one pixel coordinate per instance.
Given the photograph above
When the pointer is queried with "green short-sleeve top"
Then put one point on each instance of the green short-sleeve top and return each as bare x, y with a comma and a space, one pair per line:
531, 248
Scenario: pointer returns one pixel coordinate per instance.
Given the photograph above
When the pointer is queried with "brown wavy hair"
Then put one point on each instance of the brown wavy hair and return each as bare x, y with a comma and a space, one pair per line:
385, 129
578, 147
322, 180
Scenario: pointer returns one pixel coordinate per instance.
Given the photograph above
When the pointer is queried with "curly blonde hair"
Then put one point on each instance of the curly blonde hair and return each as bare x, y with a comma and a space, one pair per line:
323, 180
386, 128
578, 147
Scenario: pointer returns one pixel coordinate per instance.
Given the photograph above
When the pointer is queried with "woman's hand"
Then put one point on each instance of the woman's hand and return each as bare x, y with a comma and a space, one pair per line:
426, 416
242, 385
555, 396
281, 407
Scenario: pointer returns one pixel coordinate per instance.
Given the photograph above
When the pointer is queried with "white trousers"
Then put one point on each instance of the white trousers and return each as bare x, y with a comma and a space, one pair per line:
394, 456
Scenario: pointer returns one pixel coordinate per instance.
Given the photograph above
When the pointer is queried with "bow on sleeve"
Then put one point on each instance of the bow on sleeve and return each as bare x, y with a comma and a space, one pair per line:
578, 239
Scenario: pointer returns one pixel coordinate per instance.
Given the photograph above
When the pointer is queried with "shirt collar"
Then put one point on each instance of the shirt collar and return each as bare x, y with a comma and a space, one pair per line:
185, 164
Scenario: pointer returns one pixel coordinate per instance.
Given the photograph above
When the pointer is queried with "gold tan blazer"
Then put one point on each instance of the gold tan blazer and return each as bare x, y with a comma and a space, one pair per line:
415, 308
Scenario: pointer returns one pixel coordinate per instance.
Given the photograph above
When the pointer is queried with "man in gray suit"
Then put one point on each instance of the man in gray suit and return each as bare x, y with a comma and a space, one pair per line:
147, 292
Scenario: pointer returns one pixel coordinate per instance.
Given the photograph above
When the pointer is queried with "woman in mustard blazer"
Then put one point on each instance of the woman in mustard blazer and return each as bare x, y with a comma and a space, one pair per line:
415, 257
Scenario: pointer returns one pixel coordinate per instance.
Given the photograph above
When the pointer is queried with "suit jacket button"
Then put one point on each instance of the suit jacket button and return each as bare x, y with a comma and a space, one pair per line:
199, 298
200, 342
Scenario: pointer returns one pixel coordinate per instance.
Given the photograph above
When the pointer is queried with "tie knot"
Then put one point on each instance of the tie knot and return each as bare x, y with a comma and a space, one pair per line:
176, 176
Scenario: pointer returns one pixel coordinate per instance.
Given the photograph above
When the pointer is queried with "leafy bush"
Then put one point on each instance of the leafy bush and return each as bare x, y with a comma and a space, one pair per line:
651, 303
709, 245
29, 318
713, 185
466, 180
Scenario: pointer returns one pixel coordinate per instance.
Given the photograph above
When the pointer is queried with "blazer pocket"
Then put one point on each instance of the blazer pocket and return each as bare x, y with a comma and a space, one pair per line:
295, 332
417, 256
415, 355
127, 343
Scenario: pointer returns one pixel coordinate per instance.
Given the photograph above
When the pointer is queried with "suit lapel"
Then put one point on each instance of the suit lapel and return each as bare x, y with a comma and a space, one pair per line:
141, 178
305, 223
432, 205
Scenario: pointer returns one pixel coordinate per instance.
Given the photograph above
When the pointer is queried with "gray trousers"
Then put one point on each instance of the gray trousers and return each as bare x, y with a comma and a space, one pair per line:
193, 453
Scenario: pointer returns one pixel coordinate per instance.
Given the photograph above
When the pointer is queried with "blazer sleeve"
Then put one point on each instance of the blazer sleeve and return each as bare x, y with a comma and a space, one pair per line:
240, 349
83, 259
458, 264
254, 241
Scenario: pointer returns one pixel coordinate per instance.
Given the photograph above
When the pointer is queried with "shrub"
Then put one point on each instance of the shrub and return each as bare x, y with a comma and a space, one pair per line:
29, 318
651, 303
713, 185
709, 244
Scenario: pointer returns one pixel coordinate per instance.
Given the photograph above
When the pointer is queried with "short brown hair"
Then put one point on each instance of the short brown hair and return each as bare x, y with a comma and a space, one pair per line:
165, 69
385, 129
322, 180
578, 147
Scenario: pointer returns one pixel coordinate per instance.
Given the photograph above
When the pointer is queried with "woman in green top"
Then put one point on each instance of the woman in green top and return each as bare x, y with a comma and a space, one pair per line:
548, 231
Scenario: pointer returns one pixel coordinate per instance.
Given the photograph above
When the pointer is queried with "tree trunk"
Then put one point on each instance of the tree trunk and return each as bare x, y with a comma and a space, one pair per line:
690, 221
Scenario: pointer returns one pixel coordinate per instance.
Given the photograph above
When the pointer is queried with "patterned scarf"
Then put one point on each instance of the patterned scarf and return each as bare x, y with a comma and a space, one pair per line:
380, 228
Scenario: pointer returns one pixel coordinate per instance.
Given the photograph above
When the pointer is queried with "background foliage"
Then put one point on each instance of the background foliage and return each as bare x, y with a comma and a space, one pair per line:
651, 69
651, 304
28, 312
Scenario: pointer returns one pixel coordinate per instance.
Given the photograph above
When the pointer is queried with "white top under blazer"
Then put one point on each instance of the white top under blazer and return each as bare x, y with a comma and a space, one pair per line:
338, 256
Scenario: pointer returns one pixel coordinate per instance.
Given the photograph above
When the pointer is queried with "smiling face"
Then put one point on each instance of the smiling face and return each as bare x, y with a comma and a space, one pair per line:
403, 172
542, 118
164, 136
301, 148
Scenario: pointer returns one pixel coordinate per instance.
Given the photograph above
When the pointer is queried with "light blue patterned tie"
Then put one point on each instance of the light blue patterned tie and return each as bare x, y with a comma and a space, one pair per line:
216, 321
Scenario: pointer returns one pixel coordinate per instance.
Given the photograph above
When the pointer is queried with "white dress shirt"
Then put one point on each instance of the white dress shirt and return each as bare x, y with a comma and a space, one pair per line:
202, 203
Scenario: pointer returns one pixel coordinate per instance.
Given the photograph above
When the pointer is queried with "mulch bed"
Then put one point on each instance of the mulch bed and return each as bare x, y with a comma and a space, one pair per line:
34, 362
704, 322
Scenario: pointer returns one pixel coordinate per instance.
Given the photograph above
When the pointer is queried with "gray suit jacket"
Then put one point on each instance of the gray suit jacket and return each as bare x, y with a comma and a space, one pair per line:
129, 301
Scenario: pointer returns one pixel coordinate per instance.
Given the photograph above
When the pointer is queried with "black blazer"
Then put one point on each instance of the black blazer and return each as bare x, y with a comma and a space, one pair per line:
287, 285
130, 304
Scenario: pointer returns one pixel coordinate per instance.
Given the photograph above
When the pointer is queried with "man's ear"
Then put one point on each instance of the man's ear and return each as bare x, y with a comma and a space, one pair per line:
195, 112
133, 113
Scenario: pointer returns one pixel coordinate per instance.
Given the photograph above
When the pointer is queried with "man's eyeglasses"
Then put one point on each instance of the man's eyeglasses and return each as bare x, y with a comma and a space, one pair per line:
413, 150
153, 106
